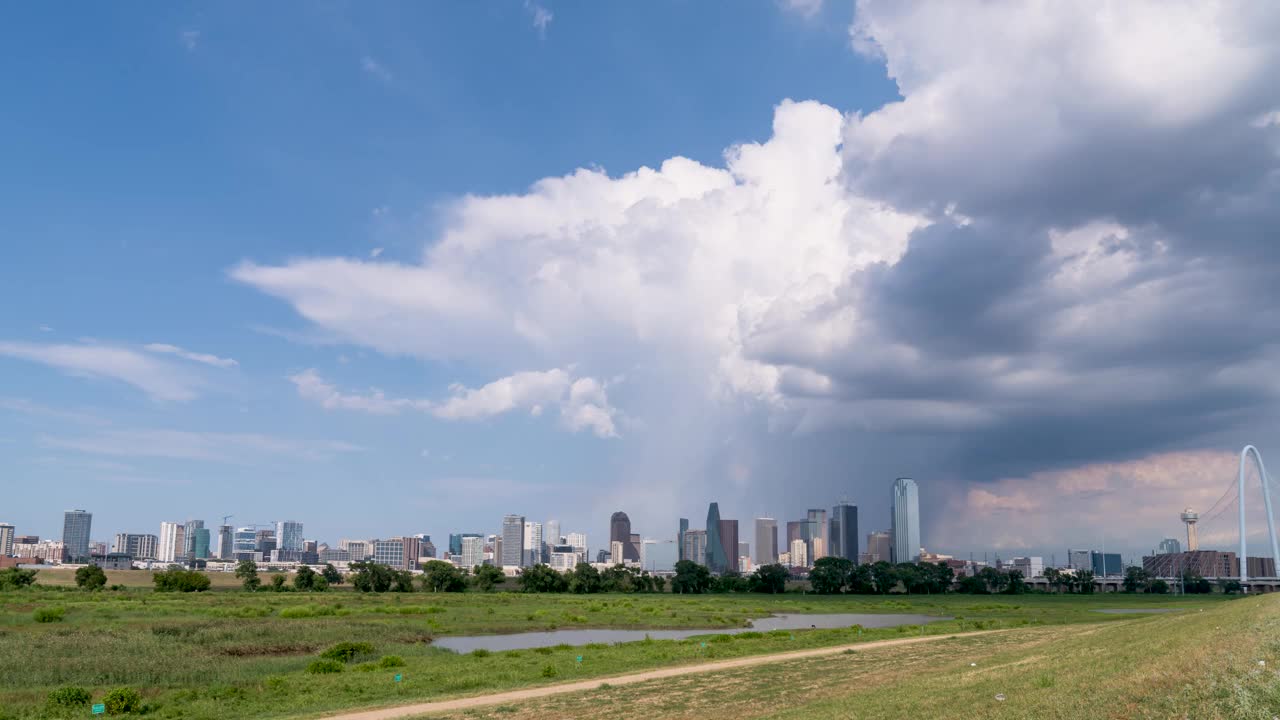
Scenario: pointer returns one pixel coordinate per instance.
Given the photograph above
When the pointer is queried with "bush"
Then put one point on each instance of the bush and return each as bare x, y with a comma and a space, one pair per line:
324, 667
480, 652
347, 651
49, 615
90, 577
367, 667
390, 661
175, 579
14, 578
549, 670
122, 701
69, 697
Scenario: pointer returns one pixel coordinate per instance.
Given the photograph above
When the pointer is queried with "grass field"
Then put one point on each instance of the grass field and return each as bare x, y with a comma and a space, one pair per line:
233, 654
1220, 664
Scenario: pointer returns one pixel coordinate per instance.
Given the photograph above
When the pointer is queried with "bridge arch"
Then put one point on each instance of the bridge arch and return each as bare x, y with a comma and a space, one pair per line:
1266, 499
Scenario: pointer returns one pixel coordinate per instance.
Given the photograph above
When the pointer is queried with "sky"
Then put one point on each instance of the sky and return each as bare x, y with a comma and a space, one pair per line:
409, 267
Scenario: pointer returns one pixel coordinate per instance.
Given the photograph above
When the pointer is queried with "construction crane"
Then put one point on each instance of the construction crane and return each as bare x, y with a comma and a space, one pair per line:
225, 518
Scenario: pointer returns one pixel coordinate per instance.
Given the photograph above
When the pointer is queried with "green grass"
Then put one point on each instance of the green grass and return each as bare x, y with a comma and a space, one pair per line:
1202, 665
231, 654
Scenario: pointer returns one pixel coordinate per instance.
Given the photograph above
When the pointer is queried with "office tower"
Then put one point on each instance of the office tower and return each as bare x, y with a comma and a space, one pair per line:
512, 540
455, 544
141, 547
695, 546
717, 560
289, 535
799, 553
620, 531
75, 534
616, 553
357, 550
472, 551
426, 548
906, 521
795, 531
816, 527
410, 551
578, 541
550, 538
729, 542
199, 544
1105, 564
684, 528
563, 557
1169, 546
766, 541
266, 541
532, 544
1079, 559
744, 549
226, 542
389, 552
173, 542
246, 544
879, 547
189, 537
6, 539
844, 532
1030, 567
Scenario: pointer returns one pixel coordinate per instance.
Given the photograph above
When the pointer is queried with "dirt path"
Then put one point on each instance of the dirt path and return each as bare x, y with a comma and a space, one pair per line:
416, 709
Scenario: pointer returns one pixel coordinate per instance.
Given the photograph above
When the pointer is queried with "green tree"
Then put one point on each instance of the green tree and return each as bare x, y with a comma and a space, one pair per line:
90, 577
542, 579
730, 582
830, 575
1136, 579
938, 577
584, 579
247, 573
176, 579
1054, 576
691, 578
370, 577
278, 583
305, 579
861, 580
993, 580
485, 577
973, 585
402, 581
1084, 581
331, 574
1158, 587
14, 578
1231, 587
884, 577
441, 576
915, 578
1014, 584
770, 579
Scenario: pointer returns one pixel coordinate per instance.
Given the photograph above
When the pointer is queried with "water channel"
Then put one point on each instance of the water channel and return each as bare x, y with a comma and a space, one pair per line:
523, 641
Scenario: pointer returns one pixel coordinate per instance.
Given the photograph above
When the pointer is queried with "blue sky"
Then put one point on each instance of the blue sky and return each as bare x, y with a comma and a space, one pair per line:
302, 261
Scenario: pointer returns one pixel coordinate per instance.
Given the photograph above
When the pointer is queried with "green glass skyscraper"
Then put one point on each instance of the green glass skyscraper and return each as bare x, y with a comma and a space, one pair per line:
717, 561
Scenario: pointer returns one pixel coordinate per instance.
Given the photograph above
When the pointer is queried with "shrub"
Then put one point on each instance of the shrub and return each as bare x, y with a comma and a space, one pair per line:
390, 661
346, 651
367, 667
324, 667
90, 577
175, 579
49, 615
69, 697
543, 650
122, 701
480, 652
549, 670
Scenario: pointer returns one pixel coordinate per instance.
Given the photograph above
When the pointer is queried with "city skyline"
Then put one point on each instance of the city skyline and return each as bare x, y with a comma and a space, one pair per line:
766, 279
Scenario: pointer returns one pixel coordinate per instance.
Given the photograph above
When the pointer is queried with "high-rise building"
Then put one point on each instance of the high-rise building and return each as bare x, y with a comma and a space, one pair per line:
795, 531
6, 539
173, 542
1030, 567
620, 531
816, 533
563, 557
1105, 564
695, 546
189, 538
389, 552
513, 540
426, 548
532, 544
289, 535
906, 521
246, 544
799, 555
142, 547
879, 547
472, 550
766, 541
1080, 559
577, 541
357, 550
75, 534
1169, 546
550, 538
455, 542
684, 528
717, 559
199, 544
844, 532
226, 543
729, 541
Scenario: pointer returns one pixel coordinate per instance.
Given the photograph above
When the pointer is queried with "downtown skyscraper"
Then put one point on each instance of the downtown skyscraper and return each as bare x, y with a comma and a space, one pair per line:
766, 539
717, 559
512, 541
906, 521
75, 534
